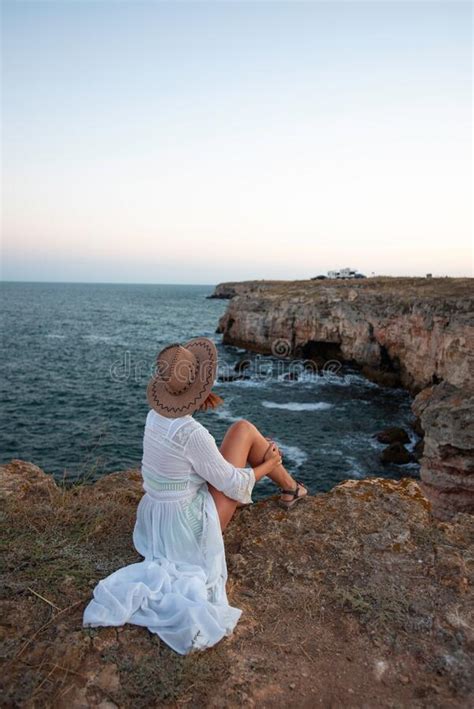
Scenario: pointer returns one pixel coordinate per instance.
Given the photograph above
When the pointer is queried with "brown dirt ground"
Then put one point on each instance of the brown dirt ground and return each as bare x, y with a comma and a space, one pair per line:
356, 598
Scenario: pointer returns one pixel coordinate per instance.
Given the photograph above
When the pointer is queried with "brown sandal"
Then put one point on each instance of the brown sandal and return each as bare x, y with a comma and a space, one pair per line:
296, 495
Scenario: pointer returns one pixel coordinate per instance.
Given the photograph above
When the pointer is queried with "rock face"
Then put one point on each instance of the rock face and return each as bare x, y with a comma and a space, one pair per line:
411, 332
447, 466
357, 597
422, 330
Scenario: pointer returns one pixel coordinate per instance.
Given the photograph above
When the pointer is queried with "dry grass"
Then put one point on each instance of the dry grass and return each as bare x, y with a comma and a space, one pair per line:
431, 288
326, 592
55, 550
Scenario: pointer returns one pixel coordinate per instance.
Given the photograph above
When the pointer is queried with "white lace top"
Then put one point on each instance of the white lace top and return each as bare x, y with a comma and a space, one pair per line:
180, 454
178, 591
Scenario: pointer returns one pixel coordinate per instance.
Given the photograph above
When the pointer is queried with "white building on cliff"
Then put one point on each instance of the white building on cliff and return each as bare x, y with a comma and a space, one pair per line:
345, 273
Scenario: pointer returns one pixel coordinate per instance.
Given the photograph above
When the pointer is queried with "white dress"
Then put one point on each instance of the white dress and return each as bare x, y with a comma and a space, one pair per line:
178, 591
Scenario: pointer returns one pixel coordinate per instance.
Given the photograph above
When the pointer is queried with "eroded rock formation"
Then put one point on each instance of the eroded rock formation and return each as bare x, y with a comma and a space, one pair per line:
411, 332
447, 466
401, 325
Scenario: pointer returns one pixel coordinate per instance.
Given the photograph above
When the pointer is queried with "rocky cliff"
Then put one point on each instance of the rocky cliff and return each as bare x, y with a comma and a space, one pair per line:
411, 332
422, 330
229, 290
446, 414
356, 598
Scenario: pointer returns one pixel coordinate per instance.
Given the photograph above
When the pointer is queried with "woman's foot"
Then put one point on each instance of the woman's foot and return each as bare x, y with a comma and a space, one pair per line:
290, 497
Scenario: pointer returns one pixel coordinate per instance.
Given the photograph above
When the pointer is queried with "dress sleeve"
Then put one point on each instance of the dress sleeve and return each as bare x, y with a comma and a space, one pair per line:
209, 463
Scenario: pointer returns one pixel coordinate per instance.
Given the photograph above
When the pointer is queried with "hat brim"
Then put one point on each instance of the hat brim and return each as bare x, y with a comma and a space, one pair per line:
185, 403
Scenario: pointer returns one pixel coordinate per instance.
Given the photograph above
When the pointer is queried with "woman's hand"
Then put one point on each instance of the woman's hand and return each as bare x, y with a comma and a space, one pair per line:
271, 458
273, 455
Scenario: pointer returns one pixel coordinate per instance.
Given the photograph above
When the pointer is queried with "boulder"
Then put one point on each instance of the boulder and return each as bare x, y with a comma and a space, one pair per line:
231, 377
396, 453
21, 479
418, 450
242, 365
393, 434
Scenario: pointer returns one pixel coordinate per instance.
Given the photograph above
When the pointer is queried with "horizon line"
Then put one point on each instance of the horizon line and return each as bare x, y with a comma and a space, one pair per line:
108, 283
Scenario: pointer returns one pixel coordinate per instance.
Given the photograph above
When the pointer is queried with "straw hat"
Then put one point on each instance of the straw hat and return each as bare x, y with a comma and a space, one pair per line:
183, 378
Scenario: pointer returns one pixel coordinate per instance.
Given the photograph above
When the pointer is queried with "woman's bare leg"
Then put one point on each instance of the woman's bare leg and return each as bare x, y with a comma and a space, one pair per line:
244, 444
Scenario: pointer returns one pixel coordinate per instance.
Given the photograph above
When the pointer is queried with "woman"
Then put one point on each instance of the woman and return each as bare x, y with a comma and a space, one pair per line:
191, 492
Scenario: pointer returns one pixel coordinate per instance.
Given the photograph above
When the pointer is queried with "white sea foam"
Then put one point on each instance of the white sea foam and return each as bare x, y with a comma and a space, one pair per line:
413, 439
295, 454
296, 406
329, 450
305, 379
246, 383
97, 338
331, 379
355, 469
223, 413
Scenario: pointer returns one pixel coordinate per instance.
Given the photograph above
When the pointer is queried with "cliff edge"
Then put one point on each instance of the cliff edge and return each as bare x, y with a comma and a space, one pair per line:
412, 332
357, 597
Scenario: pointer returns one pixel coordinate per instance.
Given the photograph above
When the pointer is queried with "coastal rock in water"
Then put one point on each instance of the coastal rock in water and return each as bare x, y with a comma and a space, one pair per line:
231, 377
242, 365
447, 465
382, 377
393, 434
418, 450
396, 453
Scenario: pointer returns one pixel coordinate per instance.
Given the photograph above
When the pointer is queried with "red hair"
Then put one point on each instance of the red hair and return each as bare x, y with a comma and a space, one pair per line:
211, 402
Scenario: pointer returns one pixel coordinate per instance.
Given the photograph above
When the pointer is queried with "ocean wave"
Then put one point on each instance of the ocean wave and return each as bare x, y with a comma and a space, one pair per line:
341, 380
355, 469
295, 454
97, 338
245, 383
224, 414
296, 406
305, 378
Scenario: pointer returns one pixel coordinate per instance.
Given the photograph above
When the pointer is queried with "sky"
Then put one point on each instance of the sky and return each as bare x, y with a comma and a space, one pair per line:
199, 142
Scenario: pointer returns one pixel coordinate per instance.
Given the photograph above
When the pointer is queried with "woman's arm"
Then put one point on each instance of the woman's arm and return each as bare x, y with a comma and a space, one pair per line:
209, 463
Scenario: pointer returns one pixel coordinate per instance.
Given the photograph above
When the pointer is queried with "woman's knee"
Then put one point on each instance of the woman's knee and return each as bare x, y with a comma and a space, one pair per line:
243, 426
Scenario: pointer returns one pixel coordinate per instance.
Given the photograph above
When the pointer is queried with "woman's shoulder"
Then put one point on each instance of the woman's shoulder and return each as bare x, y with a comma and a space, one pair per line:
155, 417
178, 429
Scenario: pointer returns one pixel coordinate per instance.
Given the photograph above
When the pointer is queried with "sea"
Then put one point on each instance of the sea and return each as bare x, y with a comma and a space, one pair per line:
76, 359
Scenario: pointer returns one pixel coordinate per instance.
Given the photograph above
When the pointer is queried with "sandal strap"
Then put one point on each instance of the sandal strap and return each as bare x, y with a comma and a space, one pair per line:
295, 492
